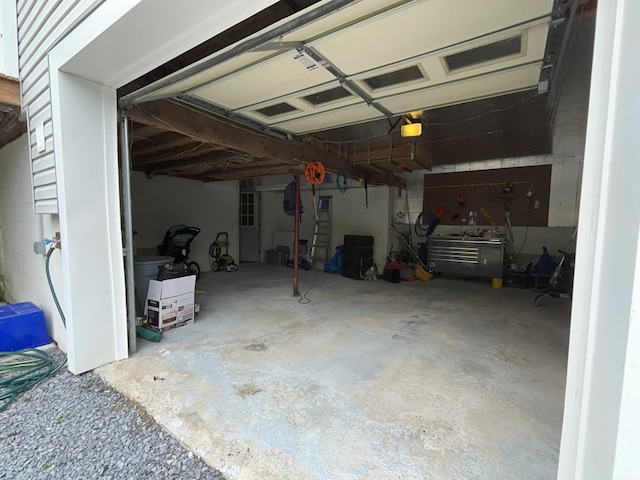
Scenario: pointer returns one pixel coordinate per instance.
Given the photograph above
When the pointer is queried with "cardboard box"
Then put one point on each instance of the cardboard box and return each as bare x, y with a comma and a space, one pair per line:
170, 303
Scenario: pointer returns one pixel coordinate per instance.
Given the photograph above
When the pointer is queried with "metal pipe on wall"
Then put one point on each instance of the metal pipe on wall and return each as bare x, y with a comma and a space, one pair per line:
296, 238
125, 169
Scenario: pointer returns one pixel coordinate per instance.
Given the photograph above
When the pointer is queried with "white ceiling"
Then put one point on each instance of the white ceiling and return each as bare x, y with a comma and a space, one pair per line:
375, 37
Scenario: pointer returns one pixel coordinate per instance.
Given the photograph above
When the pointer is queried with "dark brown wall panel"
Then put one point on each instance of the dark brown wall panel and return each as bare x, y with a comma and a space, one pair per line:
486, 189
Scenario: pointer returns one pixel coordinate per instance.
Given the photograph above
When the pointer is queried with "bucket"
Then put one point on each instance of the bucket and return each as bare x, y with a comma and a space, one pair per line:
145, 269
496, 282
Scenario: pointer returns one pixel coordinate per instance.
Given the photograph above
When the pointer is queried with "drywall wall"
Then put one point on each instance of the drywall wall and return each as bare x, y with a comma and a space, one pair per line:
24, 274
160, 202
349, 214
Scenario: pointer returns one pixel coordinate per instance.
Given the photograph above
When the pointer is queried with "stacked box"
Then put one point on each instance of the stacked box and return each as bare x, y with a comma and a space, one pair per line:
170, 303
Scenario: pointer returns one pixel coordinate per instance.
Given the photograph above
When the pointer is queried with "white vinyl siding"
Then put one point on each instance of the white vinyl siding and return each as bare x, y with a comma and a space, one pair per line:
41, 25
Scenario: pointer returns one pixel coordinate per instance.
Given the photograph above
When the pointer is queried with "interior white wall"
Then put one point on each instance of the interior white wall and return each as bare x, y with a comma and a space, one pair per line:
24, 274
601, 420
349, 214
161, 201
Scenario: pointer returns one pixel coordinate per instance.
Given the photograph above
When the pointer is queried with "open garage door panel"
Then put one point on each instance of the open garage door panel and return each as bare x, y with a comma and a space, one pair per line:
337, 87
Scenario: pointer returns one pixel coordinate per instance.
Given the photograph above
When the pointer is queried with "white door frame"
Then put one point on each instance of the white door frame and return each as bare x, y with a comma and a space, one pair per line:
600, 438
115, 44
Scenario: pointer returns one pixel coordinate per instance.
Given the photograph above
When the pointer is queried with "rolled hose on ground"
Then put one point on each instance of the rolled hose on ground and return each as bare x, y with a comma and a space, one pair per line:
22, 370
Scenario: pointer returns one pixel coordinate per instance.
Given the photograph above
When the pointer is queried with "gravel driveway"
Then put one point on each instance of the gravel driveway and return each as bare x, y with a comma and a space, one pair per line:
77, 427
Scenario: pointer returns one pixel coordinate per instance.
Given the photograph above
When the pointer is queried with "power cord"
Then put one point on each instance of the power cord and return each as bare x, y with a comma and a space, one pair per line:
22, 370
303, 299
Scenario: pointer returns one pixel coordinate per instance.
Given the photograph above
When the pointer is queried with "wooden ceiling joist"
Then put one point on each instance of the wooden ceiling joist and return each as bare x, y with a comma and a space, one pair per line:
159, 144
220, 157
173, 116
253, 172
191, 151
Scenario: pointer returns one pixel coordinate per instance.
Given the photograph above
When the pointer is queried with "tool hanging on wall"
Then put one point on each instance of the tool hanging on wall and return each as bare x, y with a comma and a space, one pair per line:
314, 173
488, 217
460, 198
343, 182
366, 194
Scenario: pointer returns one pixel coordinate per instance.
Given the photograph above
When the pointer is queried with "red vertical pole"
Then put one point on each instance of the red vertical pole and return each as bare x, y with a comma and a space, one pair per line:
296, 238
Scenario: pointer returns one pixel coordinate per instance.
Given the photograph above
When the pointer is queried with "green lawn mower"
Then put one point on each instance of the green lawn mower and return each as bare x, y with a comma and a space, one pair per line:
217, 259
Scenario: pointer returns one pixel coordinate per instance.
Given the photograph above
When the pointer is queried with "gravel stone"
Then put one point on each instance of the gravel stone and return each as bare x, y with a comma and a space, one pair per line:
77, 427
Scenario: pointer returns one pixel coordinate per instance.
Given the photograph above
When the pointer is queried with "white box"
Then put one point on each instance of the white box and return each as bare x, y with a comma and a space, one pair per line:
170, 303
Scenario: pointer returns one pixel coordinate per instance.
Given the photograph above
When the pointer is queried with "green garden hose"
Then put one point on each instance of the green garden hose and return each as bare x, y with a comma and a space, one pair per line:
22, 370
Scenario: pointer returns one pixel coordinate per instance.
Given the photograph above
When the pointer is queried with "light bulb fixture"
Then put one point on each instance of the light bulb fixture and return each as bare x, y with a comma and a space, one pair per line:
411, 130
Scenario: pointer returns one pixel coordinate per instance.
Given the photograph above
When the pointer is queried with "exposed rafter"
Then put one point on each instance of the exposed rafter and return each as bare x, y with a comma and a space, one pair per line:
201, 126
218, 158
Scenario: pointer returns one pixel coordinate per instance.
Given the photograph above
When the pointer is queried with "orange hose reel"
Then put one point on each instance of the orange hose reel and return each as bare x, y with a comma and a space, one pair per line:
314, 173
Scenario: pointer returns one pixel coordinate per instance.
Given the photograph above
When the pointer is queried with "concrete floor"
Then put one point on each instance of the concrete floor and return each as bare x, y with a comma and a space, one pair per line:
450, 379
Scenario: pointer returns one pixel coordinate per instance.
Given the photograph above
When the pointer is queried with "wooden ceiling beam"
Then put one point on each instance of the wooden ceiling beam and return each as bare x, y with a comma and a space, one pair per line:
176, 117
9, 91
160, 143
220, 157
144, 132
244, 173
187, 151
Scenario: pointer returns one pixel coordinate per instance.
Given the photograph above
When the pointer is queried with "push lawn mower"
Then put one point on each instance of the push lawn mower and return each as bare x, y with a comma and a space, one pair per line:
219, 260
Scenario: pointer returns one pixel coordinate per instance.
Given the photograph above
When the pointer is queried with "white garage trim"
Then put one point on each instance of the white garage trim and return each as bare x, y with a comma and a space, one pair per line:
117, 43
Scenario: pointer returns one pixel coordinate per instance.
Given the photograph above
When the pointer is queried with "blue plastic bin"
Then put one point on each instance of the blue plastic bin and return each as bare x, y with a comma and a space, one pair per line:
22, 326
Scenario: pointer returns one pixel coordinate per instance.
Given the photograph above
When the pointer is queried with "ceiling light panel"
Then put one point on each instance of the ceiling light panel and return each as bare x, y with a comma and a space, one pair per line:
402, 76
533, 41
431, 25
304, 106
327, 96
276, 110
492, 52
499, 83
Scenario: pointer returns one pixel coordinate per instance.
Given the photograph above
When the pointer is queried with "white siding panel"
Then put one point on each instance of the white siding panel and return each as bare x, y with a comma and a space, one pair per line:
52, 27
47, 206
41, 24
44, 178
47, 192
48, 131
43, 163
43, 116
35, 153
35, 89
40, 103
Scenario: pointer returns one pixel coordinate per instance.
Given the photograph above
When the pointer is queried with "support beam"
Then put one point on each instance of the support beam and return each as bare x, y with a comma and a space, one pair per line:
192, 150
161, 143
9, 91
201, 126
218, 158
243, 173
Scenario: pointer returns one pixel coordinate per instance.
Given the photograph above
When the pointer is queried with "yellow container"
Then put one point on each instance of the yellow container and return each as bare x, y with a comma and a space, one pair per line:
496, 282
